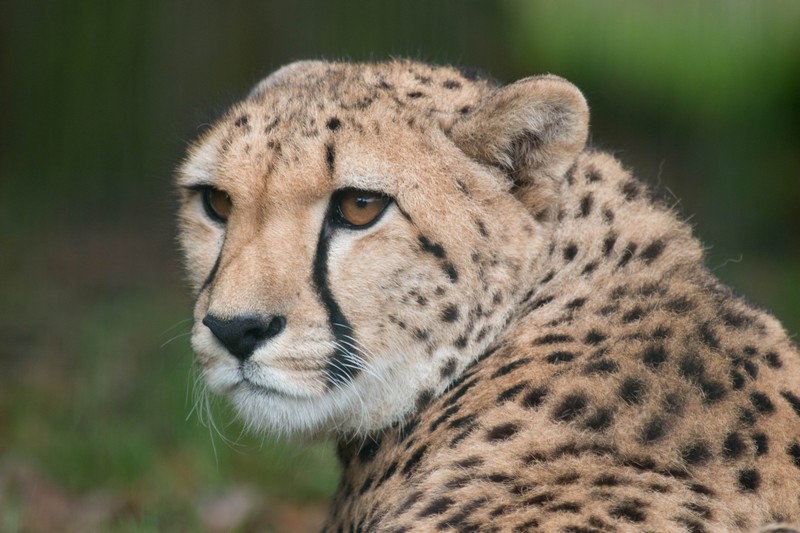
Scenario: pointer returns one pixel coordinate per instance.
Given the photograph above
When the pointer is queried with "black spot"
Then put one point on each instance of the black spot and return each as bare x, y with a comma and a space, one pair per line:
673, 403
627, 254
366, 485
414, 460
552, 338
696, 453
482, 228
330, 156
631, 510
540, 499
747, 417
333, 124
713, 391
450, 313
586, 205
589, 268
734, 319
369, 449
608, 215
692, 368
511, 392
510, 367
449, 367
502, 432
654, 429
733, 446
606, 480
600, 420
633, 315
470, 462
692, 526
632, 390
793, 400
451, 84
577, 303
794, 452
415, 94
461, 391
654, 355
601, 366
430, 247
241, 121
652, 251
570, 252
539, 302
565, 507
593, 175
535, 397
387, 474
570, 407
708, 337
737, 380
436, 507
701, 489
462, 421
761, 442
773, 360
464, 110
451, 271
424, 399
700, 510
761, 402
661, 333
594, 337
630, 190
421, 334
560, 357
749, 480
679, 305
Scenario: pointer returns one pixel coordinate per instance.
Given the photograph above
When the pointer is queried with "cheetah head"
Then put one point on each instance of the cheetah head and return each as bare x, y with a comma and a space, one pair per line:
356, 235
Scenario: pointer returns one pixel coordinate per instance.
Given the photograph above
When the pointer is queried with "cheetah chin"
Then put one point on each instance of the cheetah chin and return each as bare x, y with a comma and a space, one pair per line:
502, 329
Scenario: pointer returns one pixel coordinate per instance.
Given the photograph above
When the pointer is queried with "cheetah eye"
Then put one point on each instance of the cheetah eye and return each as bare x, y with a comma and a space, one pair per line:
358, 209
217, 204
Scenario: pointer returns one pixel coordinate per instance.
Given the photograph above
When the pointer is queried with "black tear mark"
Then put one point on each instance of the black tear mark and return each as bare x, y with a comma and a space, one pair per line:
330, 157
339, 368
213, 274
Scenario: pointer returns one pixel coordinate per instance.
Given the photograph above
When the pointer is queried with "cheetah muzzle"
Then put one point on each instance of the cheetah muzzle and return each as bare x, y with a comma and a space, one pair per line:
502, 329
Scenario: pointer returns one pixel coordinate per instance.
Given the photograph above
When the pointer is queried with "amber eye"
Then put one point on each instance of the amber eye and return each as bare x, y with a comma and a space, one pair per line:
357, 209
217, 204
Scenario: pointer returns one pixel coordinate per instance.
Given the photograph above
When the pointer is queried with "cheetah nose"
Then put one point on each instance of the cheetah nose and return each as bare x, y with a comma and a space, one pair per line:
242, 334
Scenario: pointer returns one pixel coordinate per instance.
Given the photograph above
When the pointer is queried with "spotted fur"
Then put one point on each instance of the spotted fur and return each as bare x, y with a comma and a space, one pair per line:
524, 339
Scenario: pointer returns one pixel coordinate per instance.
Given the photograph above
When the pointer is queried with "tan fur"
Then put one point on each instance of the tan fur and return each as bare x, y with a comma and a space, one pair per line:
533, 341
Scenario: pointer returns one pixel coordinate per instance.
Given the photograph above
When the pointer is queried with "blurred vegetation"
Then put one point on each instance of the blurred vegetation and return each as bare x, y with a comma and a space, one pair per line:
97, 418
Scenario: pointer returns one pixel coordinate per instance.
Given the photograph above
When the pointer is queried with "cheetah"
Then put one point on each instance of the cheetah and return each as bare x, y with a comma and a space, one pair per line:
502, 329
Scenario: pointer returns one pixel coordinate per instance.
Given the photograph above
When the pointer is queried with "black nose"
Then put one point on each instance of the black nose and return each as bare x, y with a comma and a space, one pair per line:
242, 334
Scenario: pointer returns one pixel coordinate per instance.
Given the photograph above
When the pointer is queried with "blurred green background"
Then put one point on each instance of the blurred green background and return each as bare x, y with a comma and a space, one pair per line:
98, 425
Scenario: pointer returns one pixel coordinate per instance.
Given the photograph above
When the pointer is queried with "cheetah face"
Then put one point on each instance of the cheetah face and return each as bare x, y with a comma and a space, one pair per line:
353, 246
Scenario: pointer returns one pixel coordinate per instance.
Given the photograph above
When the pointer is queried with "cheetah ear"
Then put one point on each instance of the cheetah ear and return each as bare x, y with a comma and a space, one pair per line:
282, 74
532, 129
